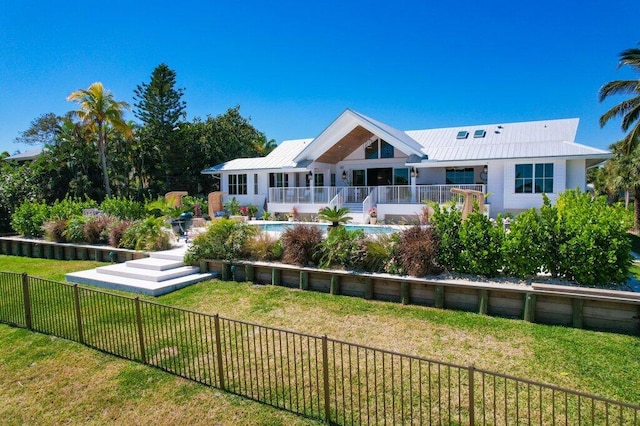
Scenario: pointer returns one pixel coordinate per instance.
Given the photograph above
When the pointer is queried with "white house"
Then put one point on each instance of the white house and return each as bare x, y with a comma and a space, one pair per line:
361, 163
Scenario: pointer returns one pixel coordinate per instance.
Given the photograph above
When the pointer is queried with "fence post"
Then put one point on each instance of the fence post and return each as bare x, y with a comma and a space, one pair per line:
404, 292
334, 288
27, 300
530, 307
275, 276
577, 306
483, 303
325, 376
438, 297
76, 298
304, 280
368, 288
472, 372
143, 354
219, 351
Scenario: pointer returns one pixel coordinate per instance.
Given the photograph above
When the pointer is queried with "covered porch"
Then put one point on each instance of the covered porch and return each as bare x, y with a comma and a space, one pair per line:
387, 199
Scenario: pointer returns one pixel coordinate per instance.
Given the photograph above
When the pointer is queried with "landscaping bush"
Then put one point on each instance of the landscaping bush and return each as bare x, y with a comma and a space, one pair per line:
264, 246
380, 255
75, 228
525, 246
417, 251
123, 208
343, 249
189, 202
117, 230
299, 244
55, 230
96, 229
447, 222
150, 234
69, 207
29, 217
594, 247
481, 242
224, 239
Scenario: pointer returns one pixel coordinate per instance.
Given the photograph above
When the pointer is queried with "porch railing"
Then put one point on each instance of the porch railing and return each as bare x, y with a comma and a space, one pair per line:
303, 195
397, 194
440, 194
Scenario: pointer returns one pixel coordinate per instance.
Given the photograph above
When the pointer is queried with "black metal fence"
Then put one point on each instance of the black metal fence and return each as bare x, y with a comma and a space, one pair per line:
318, 377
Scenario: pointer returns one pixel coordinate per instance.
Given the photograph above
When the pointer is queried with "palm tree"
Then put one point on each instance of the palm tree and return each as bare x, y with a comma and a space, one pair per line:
334, 215
628, 110
623, 174
100, 111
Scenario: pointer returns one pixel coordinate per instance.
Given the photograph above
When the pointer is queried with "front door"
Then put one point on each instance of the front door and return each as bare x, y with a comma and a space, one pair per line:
380, 177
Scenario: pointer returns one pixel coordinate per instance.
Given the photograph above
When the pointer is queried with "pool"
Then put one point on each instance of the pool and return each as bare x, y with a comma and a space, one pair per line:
368, 229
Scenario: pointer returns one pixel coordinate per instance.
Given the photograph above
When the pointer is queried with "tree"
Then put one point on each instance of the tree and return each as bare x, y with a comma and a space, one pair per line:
41, 131
623, 174
100, 111
160, 107
628, 110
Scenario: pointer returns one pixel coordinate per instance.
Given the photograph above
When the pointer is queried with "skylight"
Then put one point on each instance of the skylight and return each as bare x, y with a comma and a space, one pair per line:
463, 134
479, 134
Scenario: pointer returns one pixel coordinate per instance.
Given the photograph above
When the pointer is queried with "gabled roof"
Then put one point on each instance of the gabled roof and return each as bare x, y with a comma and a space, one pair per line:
349, 121
532, 139
279, 158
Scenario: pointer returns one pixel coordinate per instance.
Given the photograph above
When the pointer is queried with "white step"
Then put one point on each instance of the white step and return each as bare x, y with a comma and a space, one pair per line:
122, 270
154, 263
151, 288
174, 254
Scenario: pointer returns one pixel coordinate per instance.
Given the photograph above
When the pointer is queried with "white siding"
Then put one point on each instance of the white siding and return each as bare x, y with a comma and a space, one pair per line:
516, 202
577, 174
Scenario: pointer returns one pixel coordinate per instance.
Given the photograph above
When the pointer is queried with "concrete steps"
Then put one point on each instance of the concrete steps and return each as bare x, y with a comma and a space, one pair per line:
161, 273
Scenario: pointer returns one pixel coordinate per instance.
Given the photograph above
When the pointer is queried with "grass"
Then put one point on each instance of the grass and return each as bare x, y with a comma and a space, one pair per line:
45, 380
605, 364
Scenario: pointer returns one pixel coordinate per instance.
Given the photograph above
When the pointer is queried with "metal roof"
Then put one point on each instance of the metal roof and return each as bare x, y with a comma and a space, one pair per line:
531, 139
26, 156
279, 158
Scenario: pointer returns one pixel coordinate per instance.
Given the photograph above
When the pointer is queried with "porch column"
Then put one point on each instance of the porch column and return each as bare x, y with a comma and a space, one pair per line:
413, 177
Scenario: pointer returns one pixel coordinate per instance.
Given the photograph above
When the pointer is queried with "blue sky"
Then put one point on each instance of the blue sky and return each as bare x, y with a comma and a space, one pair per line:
294, 66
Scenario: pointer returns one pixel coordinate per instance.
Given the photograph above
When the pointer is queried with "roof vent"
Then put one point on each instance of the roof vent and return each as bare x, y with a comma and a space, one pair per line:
479, 134
463, 134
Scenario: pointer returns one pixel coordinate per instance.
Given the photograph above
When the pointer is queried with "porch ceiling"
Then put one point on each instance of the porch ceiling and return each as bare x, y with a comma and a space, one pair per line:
345, 146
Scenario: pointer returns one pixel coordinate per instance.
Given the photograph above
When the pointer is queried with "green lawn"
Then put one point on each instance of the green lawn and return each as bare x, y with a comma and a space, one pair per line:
604, 364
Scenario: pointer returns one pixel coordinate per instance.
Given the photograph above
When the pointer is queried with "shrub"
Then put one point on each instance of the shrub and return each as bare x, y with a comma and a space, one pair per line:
381, 254
117, 230
96, 228
123, 208
75, 225
150, 234
417, 251
481, 242
343, 249
69, 207
594, 247
189, 202
525, 245
264, 246
29, 217
55, 230
224, 239
446, 224
299, 244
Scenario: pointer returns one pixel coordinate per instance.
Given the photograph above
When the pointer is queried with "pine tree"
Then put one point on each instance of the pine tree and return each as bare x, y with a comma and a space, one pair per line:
160, 107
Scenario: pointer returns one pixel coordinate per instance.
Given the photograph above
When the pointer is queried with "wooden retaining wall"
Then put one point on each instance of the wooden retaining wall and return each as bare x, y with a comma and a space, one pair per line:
26, 247
593, 309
